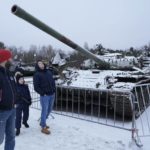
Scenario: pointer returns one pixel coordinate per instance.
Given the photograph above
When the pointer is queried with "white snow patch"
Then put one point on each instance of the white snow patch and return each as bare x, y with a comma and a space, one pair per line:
72, 134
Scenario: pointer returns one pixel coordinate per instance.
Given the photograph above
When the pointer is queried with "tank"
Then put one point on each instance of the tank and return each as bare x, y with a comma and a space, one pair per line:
114, 87
117, 86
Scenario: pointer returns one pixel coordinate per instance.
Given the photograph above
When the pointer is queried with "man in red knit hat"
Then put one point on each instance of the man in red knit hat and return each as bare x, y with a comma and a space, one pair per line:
7, 102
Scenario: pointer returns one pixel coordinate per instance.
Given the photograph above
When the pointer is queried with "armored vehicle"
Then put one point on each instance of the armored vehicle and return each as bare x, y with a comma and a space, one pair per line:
114, 88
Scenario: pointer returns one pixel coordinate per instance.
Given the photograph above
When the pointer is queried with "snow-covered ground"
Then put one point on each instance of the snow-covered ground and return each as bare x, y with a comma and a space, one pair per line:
73, 134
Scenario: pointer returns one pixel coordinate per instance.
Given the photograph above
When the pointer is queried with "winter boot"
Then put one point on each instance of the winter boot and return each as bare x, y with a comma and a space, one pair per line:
45, 131
47, 127
26, 124
17, 132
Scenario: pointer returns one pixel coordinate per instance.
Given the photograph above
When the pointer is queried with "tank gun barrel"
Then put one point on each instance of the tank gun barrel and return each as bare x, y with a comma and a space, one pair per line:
16, 10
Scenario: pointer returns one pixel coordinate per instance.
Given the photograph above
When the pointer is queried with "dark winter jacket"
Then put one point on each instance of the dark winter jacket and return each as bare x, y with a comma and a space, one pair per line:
43, 81
23, 93
7, 90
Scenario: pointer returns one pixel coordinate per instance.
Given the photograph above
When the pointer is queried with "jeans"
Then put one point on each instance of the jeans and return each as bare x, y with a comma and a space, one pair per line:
50, 108
46, 104
7, 128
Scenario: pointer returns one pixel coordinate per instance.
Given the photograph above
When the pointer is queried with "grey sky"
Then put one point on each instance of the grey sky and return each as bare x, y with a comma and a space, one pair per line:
117, 24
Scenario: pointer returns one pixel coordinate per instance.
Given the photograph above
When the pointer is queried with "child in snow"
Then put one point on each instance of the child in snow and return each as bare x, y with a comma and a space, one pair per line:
23, 103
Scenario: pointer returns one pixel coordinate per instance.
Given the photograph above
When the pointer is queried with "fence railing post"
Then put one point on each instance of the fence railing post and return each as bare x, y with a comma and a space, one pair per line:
134, 131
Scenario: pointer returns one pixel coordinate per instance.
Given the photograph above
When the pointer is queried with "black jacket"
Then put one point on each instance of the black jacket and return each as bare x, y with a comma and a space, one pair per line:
23, 93
43, 81
7, 90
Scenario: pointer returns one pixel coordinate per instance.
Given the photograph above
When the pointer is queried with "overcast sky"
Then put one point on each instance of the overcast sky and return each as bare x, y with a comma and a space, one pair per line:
116, 24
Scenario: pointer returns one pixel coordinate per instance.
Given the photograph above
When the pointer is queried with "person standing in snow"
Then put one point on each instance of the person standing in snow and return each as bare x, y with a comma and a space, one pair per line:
22, 103
7, 102
44, 85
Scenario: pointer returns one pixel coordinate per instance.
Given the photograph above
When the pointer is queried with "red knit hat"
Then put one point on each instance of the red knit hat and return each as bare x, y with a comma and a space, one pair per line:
4, 55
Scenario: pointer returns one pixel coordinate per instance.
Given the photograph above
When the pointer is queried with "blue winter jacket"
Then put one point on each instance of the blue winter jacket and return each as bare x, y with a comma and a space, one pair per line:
43, 81
7, 90
23, 93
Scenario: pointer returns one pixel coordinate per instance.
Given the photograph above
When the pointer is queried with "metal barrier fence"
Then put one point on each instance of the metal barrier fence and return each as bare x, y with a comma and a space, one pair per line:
141, 117
112, 108
124, 110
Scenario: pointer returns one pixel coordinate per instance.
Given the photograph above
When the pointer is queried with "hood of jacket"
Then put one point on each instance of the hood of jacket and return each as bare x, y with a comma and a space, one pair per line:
37, 68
